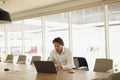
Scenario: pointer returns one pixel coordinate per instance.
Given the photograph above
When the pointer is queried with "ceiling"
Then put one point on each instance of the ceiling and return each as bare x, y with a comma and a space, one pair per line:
21, 9
16, 6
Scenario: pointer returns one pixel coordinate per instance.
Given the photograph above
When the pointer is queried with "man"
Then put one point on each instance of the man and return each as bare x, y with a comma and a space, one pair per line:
61, 56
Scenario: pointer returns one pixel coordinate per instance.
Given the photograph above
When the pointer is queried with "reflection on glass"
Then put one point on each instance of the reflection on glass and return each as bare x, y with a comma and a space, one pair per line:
46, 76
59, 76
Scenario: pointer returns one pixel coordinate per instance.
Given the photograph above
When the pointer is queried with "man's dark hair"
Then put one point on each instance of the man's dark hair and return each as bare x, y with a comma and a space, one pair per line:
58, 40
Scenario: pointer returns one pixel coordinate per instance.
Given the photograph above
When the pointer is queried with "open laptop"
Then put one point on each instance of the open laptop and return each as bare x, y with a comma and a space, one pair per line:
45, 66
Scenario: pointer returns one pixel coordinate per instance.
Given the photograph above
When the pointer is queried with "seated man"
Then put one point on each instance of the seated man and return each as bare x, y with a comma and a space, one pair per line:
61, 56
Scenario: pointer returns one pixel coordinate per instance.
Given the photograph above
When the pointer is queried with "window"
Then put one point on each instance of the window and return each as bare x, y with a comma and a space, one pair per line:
114, 32
32, 32
2, 42
88, 34
57, 26
14, 38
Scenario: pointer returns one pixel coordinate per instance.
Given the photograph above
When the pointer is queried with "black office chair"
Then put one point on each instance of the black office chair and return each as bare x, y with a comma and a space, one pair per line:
82, 62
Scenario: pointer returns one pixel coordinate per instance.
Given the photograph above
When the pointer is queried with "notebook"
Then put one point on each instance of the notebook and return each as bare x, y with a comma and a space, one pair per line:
45, 66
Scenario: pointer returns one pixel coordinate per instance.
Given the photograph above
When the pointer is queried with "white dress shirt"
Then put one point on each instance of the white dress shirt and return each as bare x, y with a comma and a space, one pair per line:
64, 59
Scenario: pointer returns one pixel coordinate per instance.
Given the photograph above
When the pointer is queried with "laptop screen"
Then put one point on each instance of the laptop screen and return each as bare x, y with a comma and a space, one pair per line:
45, 66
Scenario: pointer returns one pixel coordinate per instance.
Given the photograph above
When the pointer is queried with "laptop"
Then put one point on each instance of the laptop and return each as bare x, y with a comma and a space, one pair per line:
45, 66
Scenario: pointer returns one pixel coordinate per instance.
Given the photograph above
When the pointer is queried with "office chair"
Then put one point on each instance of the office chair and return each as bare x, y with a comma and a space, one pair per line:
35, 58
103, 65
81, 63
9, 59
21, 59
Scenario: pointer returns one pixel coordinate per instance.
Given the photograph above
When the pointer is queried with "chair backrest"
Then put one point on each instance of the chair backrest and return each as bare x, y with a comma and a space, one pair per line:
80, 62
114, 76
9, 59
103, 65
76, 62
21, 59
35, 58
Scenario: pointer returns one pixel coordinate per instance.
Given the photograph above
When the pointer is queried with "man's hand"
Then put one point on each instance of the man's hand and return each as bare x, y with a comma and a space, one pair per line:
58, 67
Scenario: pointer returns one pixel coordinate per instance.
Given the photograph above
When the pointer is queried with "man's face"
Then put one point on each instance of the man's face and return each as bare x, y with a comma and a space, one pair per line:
57, 46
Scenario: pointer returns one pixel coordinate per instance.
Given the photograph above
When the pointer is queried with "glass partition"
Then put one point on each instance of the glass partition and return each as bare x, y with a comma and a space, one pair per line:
2, 43
32, 32
88, 34
14, 38
57, 26
114, 32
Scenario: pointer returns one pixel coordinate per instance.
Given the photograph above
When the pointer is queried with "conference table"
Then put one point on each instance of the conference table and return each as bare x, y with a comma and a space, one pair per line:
28, 72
